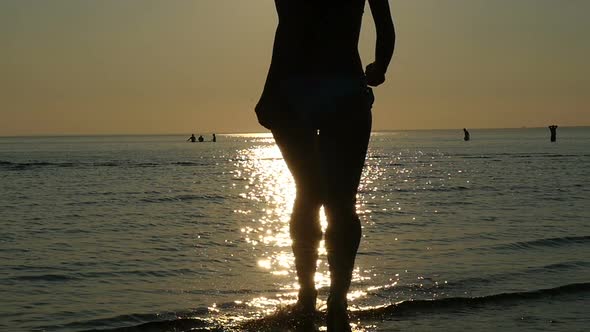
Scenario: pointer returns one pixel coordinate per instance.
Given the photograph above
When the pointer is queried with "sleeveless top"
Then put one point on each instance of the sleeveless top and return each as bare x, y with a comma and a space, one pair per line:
315, 67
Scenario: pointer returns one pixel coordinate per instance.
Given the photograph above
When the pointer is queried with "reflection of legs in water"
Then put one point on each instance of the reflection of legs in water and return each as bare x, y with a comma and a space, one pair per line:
327, 169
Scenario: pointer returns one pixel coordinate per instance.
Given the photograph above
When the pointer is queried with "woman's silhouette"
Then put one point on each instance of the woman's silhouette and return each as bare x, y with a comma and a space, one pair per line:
316, 98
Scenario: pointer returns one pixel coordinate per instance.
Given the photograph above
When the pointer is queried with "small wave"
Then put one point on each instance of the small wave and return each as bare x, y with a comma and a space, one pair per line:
136, 273
33, 164
107, 163
76, 276
454, 303
147, 322
378, 156
184, 198
566, 265
183, 324
48, 164
83, 203
476, 282
516, 155
549, 242
271, 158
45, 278
476, 157
445, 189
189, 163
283, 319
81, 164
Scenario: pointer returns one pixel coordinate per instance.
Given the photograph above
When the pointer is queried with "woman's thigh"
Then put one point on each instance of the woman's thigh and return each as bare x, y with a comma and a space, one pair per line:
328, 165
300, 150
343, 144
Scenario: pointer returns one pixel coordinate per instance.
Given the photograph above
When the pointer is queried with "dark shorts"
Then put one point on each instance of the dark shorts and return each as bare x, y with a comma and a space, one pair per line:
299, 102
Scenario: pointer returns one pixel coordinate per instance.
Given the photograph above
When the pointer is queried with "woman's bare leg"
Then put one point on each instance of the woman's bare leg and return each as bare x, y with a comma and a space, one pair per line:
343, 148
300, 151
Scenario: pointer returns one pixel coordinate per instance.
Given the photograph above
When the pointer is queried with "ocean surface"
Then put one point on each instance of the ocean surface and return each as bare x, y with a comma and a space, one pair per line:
151, 233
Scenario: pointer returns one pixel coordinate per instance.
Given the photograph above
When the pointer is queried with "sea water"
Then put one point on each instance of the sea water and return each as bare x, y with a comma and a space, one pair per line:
155, 233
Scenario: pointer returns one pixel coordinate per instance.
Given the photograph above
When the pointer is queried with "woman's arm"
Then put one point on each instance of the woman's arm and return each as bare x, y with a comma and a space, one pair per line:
385, 41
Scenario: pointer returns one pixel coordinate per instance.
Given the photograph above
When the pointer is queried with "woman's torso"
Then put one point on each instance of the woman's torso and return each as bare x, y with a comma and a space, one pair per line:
316, 69
317, 38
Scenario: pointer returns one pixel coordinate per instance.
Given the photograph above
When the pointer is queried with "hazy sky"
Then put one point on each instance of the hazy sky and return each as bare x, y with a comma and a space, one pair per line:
183, 66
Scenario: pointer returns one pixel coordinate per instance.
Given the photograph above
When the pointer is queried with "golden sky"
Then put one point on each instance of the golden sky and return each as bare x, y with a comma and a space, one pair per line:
184, 66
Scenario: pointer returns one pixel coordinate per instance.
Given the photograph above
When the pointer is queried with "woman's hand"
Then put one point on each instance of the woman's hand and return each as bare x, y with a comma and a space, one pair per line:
375, 75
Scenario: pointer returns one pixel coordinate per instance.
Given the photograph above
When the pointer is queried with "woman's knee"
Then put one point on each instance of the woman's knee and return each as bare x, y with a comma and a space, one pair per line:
305, 218
343, 219
340, 208
308, 196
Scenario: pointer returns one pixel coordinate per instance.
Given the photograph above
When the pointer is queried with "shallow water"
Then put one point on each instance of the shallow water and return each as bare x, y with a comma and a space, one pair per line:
121, 231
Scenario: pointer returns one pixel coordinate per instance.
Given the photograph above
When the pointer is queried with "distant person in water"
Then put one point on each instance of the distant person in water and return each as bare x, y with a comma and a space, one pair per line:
192, 138
214, 138
553, 129
315, 95
466, 136
201, 139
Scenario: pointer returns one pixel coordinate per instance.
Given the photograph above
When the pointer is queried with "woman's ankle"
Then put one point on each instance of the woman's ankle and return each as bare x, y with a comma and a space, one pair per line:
337, 316
306, 299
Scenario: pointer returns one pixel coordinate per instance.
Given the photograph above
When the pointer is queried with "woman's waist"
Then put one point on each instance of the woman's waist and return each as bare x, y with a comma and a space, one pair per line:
321, 93
318, 82
290, 64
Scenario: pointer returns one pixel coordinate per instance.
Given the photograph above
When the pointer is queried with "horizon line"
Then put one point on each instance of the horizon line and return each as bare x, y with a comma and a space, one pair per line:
260, 132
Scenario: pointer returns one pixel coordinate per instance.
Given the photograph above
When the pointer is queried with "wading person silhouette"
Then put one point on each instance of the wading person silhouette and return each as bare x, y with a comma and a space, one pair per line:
316, 95
553, 130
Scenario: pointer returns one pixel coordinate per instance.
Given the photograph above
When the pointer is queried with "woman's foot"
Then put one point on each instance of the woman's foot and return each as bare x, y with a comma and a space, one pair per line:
337, 317
306, 301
